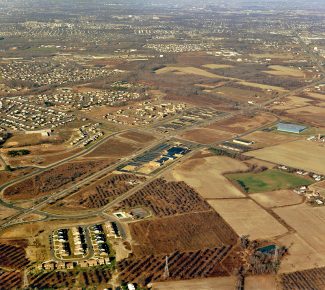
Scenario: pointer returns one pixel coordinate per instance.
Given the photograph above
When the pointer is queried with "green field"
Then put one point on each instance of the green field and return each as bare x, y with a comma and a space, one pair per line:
268, 180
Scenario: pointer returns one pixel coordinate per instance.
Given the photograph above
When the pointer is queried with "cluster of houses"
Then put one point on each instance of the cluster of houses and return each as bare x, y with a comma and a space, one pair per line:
145, 113
87, 134
43, 72
178, 47
18, 113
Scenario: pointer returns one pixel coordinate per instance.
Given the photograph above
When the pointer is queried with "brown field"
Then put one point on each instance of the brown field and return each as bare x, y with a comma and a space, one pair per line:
222, 283
300, 154
279, 70
54, 179
138, 137
6, 176
217, 66
301, 255
240, 94
308, 279
12, 257
182, 265
319, 186
317, 96
247, 218
114, 147
274, 55
100, 193
240, 124
189, 70
267, 139
292, 102
187, 232
308, 222
166, 198
20, 140
206, 135
261, 282
205, 175
91, 278
6, 212
277, 198
309, 114
11, 280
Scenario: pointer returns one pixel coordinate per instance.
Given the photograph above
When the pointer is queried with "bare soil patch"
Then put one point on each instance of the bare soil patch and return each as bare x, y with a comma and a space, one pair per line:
206, 135
277, 198
247, 218
206, 176
301, 154
185, 232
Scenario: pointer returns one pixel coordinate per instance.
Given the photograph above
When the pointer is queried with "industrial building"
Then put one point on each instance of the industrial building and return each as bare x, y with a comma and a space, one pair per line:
290, 128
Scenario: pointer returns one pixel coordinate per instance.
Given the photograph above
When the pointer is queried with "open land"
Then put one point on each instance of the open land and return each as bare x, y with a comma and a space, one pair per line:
277, 198
268, 180
187, 232
206, 176
297, 154
250, 219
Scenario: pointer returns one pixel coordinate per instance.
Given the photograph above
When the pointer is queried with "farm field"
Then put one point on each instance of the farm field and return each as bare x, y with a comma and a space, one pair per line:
114, 147
216, 66
100, 193
206, 135
164, 198
268, 180
301, 255
309, 156
205, 175
309, 114
280, 70
292, 102
261, 282
276, 198
190, 70
307, 279
267, 139
182, 265
137, 136
240, 124
5, 212
48, 181
224, 283
187, 232
250, 219
308, 222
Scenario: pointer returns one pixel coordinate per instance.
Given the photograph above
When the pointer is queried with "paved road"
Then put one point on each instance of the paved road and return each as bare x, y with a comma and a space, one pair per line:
37, 208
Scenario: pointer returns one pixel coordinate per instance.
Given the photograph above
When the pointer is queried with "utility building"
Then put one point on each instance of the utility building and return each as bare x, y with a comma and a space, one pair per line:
290, 128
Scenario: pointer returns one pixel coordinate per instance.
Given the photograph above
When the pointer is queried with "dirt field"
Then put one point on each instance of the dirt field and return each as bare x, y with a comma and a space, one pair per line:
300, 154
309, 114
277, 198
187, 232
5, 212
114, 147
267, 139
261, 282
216, 66
138, 137
241, 124
189, 70
54, 179
206, 135
247, 218
279, 70
166, 198
317, 96
309, 223
301, 255
206, 176
221, 283
292, 102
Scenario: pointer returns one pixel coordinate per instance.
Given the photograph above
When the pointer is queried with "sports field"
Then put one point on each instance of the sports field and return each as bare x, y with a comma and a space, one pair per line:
268, 180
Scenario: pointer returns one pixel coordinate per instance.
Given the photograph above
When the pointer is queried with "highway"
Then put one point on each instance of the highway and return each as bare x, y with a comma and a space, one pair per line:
38, 207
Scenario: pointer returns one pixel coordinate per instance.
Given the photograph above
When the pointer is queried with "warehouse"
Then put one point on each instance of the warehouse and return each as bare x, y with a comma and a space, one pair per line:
290, 128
